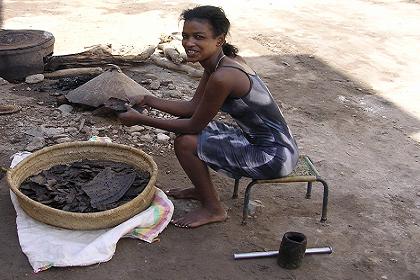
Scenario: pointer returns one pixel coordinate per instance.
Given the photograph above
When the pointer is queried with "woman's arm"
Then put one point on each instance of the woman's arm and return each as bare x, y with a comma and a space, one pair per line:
177, 108
209, 102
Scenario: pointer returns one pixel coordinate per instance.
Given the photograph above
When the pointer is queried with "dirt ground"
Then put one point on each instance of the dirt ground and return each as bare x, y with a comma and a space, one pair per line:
346, 76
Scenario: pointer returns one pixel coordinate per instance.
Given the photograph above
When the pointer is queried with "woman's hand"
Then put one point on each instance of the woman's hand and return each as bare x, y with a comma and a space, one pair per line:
130, 117
139, 102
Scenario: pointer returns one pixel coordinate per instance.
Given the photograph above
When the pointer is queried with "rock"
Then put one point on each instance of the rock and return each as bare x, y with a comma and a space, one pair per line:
52, 131
254, 205
65, 109
3, 82
36, 144
162, 138
155, 85
171, 86
94, 131
166, 82
146, 82
175, 94
15, 140
136, 134
63, 140
86, 130
55, 137
55, 93
71, 130
146, 138
135, 128
34, 79
157, 131
35, 131
150, 76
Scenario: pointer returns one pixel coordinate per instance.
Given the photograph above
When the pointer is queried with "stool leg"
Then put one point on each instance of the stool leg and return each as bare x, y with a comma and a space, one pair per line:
246, 202
309, 190
235, 189
324, 200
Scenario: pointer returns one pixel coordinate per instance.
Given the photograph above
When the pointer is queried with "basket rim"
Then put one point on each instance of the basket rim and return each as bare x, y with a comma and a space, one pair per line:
150, 186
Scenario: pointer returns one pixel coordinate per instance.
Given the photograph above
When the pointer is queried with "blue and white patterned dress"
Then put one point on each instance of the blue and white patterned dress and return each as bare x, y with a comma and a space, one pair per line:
260, 147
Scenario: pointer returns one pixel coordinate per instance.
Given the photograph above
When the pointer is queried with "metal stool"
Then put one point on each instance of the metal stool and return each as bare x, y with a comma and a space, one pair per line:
305, 171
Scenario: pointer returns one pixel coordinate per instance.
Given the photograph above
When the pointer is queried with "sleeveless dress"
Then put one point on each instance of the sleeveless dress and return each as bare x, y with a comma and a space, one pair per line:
261, 146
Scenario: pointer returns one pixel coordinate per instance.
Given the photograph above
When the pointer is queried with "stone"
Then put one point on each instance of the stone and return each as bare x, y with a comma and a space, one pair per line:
136, 134
71, 130
146, 138
253, 207
155, 85
158, 130
171, 86
162, 138
65, 109
175, 94
36, 144
135, 128
52, 131
34, 79
63, 140
58, 136
146, 82
150, 76
3, 82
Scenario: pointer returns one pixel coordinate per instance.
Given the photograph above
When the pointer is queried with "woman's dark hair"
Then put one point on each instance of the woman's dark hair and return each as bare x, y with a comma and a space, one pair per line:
217, 19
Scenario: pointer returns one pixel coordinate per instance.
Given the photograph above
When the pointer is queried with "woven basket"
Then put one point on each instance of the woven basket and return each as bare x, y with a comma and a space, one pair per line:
71, 152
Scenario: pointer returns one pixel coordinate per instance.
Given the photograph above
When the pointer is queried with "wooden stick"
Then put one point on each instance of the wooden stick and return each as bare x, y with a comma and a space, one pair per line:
97, 56
165, 63
73, 72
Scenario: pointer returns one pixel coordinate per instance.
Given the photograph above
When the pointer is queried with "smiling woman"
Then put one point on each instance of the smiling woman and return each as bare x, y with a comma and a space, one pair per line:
260, 146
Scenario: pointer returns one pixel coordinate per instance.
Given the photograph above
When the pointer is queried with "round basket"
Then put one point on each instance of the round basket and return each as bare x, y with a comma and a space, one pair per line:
71, 152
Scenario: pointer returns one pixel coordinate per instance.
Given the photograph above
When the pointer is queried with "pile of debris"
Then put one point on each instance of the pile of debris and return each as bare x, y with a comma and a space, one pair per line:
86, 186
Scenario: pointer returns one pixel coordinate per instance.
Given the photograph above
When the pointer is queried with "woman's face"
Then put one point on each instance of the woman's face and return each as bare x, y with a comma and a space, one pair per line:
199, 41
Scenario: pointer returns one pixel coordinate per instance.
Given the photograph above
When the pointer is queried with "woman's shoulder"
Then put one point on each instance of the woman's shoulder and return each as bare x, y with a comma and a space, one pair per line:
239, 63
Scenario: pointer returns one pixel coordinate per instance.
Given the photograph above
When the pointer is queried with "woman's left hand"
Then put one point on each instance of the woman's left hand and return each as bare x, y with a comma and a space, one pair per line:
130, 117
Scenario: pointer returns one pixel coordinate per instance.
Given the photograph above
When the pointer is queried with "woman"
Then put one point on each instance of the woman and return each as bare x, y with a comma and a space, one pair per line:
261, 147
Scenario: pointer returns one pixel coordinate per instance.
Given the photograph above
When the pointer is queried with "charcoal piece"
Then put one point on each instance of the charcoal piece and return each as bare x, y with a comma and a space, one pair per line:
116, 104
58, 169
61, 186
50, 184
38, 179
108, 187
135, 190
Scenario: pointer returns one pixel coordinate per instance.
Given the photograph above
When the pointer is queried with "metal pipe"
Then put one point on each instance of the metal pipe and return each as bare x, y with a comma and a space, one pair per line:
309, 251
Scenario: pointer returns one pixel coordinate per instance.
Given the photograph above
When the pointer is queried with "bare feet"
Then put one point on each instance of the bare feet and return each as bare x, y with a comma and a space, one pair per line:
189, 193
200, 217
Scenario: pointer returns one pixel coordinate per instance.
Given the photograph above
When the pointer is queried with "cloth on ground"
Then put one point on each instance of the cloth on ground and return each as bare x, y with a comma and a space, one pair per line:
47, 246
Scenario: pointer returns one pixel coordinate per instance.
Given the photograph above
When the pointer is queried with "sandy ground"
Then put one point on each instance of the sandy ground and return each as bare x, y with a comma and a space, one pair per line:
346, 75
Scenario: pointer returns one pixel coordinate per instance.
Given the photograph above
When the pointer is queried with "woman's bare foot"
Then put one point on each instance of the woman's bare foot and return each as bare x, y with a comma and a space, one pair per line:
189, 193
199, 217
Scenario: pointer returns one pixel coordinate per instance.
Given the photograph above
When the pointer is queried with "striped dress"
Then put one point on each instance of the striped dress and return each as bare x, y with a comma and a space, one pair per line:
261, 146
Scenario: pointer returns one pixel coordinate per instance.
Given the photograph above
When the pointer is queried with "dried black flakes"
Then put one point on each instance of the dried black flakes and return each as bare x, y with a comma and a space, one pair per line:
86, 186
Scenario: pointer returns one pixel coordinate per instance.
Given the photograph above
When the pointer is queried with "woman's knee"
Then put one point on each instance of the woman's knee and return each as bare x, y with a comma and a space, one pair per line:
185, 143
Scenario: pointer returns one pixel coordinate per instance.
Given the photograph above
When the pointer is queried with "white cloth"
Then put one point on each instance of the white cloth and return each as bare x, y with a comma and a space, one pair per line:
47, 246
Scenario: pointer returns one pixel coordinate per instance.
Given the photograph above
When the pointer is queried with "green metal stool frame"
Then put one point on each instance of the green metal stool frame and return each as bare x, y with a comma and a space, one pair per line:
305, 171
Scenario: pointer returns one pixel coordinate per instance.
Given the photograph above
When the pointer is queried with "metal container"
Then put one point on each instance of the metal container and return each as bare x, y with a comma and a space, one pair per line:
22, 52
